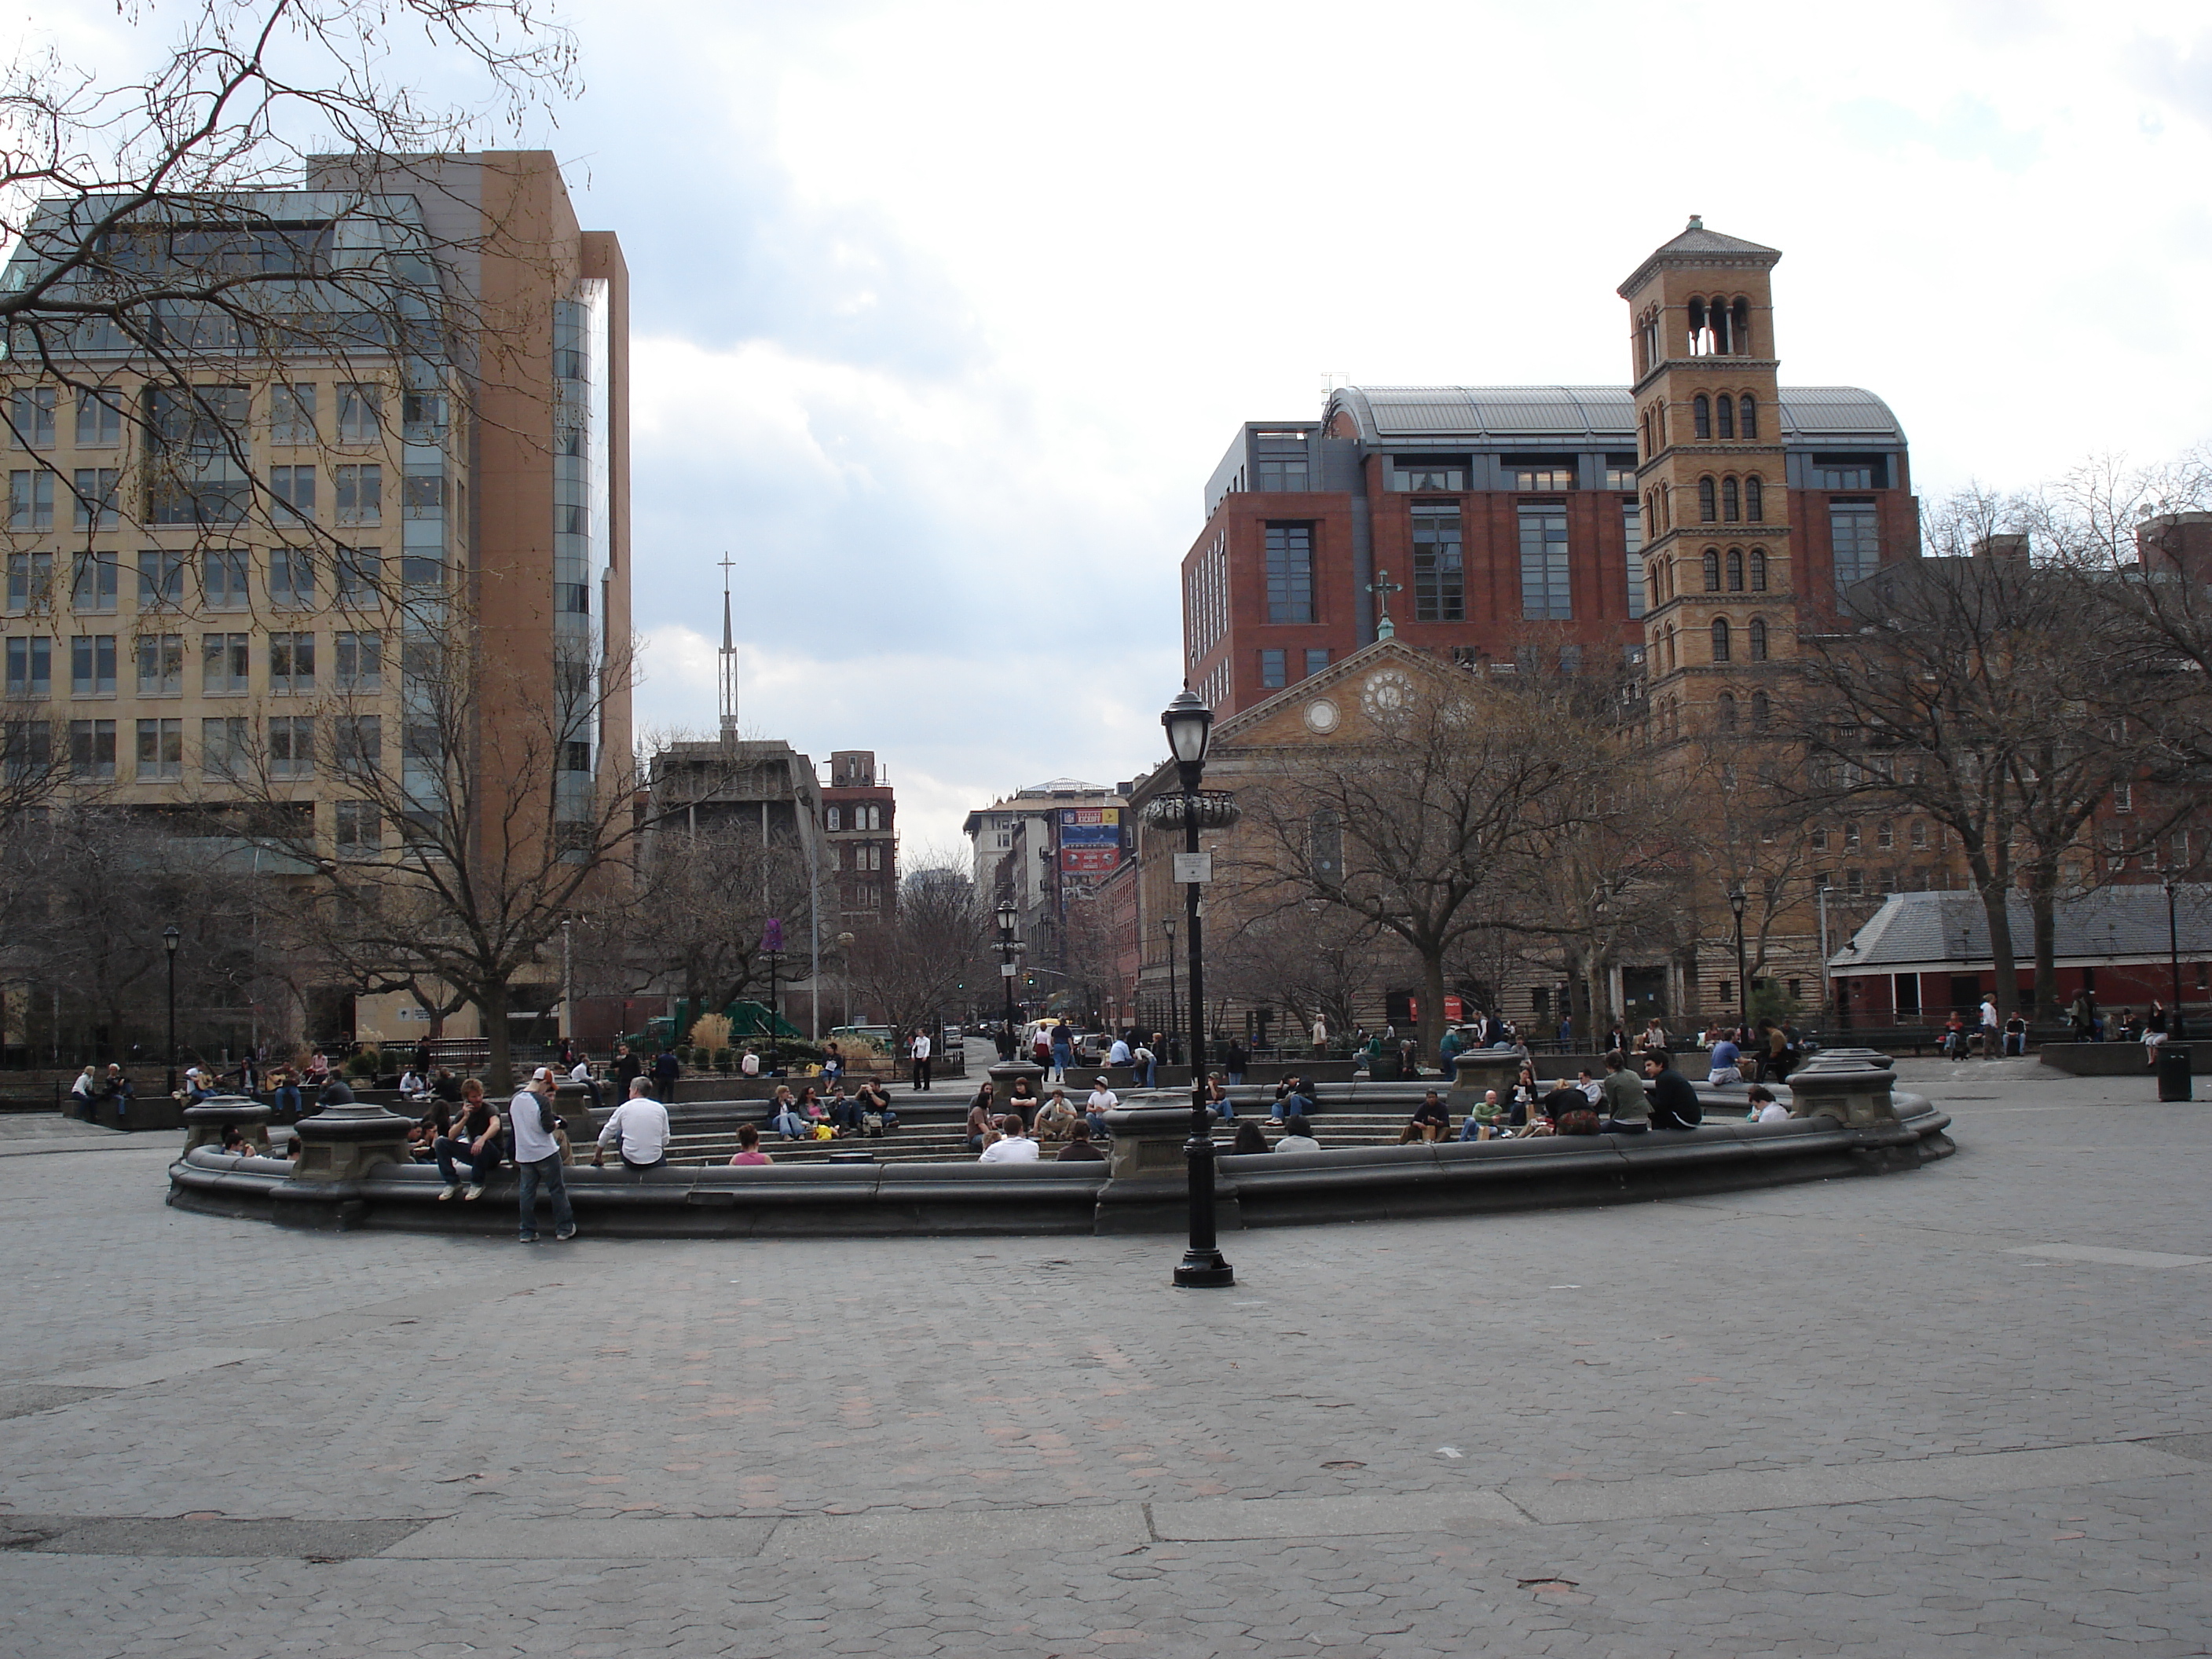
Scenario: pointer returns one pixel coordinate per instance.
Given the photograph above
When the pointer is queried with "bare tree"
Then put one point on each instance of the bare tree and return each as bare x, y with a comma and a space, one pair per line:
699, 911
911, 965
1311, 957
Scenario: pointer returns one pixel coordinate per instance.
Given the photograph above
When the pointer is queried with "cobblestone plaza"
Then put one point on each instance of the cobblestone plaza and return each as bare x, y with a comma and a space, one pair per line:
1964, 1410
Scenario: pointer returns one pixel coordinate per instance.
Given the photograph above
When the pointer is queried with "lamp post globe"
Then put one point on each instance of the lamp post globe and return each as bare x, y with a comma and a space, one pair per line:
1189, 725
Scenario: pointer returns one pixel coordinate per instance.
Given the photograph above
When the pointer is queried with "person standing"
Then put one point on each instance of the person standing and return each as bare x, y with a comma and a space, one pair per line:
1990, 1027
918, 1052
1320, 1038
1063, 1052
626, 1068
1235, 1058
665, 1071
529, 1120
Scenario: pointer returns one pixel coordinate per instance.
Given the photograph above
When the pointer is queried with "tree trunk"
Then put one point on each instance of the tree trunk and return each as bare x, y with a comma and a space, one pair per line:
1995, 890
498, 1066
2043, 907
1432, 1003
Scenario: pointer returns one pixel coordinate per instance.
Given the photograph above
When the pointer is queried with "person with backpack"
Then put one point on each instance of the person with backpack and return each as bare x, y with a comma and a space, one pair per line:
530, 1122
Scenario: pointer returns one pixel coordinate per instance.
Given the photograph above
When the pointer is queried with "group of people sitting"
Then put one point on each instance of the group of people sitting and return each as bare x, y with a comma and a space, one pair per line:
807, 1116
1619, 1102
1052, 1119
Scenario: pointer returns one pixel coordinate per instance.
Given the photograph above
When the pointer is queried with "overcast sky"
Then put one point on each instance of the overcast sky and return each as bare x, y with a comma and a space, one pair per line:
943, 313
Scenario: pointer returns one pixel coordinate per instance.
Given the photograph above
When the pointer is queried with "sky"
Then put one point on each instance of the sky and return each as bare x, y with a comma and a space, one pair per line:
943, 313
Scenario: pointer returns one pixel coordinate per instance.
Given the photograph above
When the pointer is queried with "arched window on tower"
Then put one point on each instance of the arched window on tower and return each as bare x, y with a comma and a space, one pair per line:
1670, 647
1731, 501
1735, 569
1740, 313
1701, 330
1727, 704
1759, 570
1748, 412
1701, 416
1720, 639
1754, 500
1712, 570
1758, 639
1759, 710
1724, 416
1707, 511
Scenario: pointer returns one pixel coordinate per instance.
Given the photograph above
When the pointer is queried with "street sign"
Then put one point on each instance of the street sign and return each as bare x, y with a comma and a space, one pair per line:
1193, 867
1005, 970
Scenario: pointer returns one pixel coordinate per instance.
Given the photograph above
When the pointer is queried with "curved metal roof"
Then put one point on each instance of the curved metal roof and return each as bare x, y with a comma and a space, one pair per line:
1598, 415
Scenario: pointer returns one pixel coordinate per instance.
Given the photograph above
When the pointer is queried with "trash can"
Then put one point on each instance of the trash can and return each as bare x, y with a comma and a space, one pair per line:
2172, 1072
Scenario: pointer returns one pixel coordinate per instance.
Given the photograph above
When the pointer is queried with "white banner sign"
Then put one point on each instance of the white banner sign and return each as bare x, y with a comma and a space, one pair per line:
1193, 867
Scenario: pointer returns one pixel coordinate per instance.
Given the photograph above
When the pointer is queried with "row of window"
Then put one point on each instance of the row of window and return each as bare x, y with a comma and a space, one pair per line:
356, 498
292, 579
1723, 643
1275, 665
1847, 836
225, 665
210, 415
866, 814
1449, 475
1724, 415
1716, 327
1732, 501
288, 747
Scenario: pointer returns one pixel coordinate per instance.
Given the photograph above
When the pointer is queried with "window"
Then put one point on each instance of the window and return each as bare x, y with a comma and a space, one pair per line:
92, 589
1325, 846
98, 419
92, 750
360, 745
292, 415
1279, 460
161, 750
1851, 838
1545, 593
1713, 567
1731, 501
422, 418
1707, 512
1759, 570
1545, 475
1408, 474
1735, 571
359, 829
424, 497
291, 579
359, 571
1273, 672
222, 580
359, 660
1316, 659
30, 501
161, 664
198, 435
1755, 500
1757, 631
30, 667
1820, 840
294, 487
1439, 579
572, 599
291, 746
1748, 416
1847, 473
224, 756
1701, 416
31, 418
832, 817
1621, 472
1720, 639
223, 664
92, 666
1919, 833
1854, 883
1854, 534
1290, 574
1760, 711
1885, 836
291, 664
417, 572
1725, 702
1724, 416
360, 414
1632, 532
360, 492
92, 497
30, 583
160, 580
27, 746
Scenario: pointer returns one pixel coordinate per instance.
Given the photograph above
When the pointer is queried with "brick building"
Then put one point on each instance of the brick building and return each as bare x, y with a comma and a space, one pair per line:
859, 831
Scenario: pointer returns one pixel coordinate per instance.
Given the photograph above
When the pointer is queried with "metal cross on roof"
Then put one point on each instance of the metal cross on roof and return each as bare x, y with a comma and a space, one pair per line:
1383, 587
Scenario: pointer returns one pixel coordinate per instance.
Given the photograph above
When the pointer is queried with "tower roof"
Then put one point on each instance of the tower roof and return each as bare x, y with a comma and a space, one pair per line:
1698, 246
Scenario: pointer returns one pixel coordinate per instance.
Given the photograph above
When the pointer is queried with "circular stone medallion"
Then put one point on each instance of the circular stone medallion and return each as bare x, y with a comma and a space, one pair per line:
1321, 715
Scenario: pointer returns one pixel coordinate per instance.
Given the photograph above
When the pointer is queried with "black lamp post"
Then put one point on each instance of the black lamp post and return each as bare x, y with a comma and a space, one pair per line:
772, 948
171, 938
1167, 926
1742, 981
1189, 725
1007, 946
2173, 962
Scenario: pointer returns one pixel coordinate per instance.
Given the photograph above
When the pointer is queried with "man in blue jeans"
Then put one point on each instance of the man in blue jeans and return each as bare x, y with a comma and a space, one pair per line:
529, 1120
1294, 1102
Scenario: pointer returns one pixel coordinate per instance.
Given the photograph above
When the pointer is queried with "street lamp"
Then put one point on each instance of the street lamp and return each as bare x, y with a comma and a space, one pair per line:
1189, 725
171, 938
2173, 961
772, 948
1167, 926
1007, 946
1742, 981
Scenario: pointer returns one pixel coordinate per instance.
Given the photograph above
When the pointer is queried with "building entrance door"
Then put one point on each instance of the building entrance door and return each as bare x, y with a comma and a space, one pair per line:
1642, 997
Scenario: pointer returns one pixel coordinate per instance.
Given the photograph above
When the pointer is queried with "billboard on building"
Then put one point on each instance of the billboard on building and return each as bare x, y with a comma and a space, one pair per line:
1089, 840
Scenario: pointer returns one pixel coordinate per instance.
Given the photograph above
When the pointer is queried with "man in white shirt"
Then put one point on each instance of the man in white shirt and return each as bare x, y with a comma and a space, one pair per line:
751, 1064
1119, 1053
918, 1051
1989, 1045
529, 1120
1012, 1146
582, 1077
638, 1132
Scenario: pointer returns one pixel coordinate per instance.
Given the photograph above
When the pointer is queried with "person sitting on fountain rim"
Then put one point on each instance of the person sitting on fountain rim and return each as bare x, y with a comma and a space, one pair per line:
638, 1131
1297, 1137
785, 1119
1725, 1070
1483, 1118
1674, 1101
1290, 1097
1564, 1097
1078, 1147
1431, 1121
1056, 1119
1216, 1098
1627, 1111
477, 1145
1764, 1109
